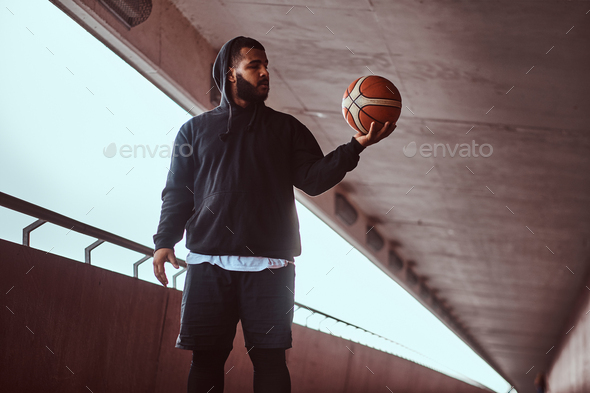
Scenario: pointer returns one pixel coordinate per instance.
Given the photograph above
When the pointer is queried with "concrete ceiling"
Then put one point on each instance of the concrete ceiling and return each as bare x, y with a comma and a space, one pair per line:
503, 241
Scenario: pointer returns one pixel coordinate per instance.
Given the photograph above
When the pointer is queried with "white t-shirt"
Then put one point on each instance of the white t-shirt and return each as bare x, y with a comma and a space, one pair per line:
238, 263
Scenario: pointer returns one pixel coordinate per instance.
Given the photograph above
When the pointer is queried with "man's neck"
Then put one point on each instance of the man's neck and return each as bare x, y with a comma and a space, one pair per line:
239, 102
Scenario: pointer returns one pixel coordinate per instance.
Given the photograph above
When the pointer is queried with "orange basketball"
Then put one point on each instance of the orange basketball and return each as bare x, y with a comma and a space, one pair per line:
371, 99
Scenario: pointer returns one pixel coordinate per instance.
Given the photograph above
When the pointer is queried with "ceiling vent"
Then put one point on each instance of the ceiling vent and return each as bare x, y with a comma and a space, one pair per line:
395, 262
411, 277
374, 239
424, 292
345, 211
130, 12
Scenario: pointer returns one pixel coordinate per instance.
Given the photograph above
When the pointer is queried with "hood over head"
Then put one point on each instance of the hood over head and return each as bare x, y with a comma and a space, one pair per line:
220, 71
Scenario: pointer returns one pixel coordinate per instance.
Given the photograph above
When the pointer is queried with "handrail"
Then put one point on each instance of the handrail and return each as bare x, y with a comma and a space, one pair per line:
326, 316
314, 311
44, 215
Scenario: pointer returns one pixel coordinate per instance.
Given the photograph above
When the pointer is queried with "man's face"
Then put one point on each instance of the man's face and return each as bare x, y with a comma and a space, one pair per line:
251, 76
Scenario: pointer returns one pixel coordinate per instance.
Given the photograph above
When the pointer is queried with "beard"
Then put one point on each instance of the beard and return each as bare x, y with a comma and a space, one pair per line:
249, 92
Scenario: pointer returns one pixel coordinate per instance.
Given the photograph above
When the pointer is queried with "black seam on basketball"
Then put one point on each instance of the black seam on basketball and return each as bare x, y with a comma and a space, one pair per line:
351, 116
357, 126
360, 94
384, 106
352, 101
384, 84
371, 104
381, 98
361, 85
357, 97
348, 93
362, 110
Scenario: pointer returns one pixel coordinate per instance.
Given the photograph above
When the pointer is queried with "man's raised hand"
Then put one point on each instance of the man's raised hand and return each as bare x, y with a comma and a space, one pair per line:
375, 136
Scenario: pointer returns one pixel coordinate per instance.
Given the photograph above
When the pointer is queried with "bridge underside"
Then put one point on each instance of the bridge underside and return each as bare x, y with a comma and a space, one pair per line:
496, 246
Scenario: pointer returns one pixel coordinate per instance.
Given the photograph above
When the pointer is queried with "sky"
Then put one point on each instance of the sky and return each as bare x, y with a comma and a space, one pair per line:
66, 99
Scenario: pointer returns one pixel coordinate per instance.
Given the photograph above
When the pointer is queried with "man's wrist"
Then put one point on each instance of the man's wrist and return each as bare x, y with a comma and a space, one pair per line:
161, 247
361, 146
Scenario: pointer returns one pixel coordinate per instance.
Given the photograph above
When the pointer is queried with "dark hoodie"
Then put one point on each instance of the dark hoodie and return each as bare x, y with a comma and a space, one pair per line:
234, 193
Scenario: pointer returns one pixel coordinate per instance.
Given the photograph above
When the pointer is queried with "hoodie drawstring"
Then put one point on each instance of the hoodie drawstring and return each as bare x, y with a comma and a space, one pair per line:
223, 136
249, 127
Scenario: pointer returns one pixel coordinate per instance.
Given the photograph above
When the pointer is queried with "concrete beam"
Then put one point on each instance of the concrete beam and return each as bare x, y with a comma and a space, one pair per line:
166, 49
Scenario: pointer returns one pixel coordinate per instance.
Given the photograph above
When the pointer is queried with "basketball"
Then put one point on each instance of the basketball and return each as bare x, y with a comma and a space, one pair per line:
371, 99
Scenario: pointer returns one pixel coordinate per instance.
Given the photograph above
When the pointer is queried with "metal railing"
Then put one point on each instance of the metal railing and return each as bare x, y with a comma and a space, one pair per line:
45, 215
427, 361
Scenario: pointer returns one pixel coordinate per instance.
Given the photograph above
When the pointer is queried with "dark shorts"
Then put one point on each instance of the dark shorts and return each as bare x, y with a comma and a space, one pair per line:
214, 299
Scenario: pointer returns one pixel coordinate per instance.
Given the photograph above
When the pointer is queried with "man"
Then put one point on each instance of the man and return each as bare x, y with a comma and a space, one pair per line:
234, 195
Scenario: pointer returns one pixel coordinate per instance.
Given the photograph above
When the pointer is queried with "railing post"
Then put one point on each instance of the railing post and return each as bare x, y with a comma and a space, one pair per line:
176, 275
322, 321
90, 248
27, 231
136, 265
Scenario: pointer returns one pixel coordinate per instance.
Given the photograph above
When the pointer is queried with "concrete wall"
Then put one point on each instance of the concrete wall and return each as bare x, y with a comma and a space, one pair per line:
570, 371
112, 331
322, 363
67, 326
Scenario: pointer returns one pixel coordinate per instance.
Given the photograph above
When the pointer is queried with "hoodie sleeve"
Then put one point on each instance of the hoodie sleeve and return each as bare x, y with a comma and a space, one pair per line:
177, 196
314, 173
